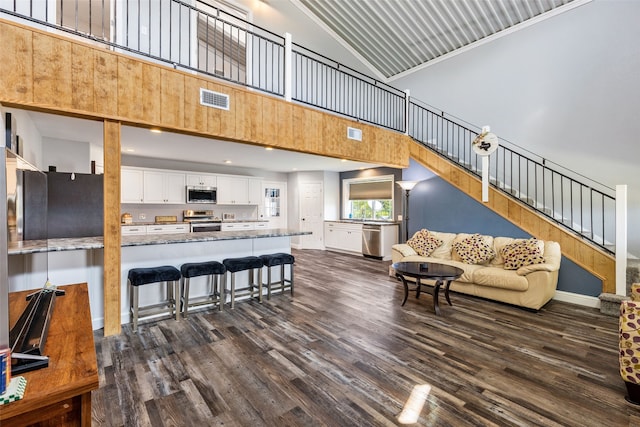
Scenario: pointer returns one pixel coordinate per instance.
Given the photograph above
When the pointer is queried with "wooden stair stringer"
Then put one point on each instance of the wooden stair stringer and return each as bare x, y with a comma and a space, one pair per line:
591, 258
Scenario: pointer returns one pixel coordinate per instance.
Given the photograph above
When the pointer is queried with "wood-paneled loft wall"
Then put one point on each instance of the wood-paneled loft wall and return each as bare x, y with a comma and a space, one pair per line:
595, 261
56, 74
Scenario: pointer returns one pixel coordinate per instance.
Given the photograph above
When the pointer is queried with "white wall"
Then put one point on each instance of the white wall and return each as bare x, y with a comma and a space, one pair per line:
331, 195
30, 137
66, 156
566, 89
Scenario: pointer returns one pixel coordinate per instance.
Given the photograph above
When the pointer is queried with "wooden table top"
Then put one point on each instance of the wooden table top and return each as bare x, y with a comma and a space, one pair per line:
72, 366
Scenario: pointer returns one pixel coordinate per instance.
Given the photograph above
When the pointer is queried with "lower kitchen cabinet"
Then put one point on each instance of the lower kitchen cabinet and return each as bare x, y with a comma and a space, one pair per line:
343, 236
237, 226
132, 230
168, 228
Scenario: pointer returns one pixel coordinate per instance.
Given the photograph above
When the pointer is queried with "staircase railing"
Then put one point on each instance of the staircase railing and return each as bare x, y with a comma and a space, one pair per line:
559, 194
213, 42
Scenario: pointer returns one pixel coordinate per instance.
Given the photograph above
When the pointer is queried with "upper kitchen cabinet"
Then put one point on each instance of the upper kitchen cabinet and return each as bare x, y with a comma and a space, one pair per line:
255, 191
201, 180
233, 190
164, 187
131, 186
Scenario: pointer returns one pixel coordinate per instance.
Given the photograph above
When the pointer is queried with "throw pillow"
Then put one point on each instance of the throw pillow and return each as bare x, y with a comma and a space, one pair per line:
474, 250
424, 243
521, 253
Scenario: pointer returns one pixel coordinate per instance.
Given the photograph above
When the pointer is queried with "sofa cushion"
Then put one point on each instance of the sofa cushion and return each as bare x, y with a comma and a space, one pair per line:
444, 251
424, 243
500, 242
521, 254
473, 249
497, 277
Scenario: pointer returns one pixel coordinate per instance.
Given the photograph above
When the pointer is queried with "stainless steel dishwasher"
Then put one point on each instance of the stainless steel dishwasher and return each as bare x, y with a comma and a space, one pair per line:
371, 240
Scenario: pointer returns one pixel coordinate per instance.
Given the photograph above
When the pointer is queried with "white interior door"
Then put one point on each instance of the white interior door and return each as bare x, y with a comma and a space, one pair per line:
312, 215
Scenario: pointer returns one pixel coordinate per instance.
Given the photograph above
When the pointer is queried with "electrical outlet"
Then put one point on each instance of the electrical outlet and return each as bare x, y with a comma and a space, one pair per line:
142, 216
399, 217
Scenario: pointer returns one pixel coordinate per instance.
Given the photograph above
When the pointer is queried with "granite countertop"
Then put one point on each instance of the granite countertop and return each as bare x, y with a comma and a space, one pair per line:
82, 243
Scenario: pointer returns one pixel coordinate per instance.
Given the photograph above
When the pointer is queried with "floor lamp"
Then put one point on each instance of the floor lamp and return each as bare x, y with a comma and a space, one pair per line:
406, 186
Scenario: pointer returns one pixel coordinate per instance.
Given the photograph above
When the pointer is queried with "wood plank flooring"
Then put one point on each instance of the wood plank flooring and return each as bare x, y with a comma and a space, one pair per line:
343, 352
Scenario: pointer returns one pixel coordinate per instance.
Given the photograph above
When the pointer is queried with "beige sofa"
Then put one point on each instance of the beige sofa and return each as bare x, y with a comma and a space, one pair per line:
530, 286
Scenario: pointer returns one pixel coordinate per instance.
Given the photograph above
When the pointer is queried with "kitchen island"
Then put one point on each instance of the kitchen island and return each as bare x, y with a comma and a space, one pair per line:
78, 260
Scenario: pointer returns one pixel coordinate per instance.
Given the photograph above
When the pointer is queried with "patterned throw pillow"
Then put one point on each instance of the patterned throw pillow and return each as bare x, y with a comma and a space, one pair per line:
424, 243
474, 250
521, 253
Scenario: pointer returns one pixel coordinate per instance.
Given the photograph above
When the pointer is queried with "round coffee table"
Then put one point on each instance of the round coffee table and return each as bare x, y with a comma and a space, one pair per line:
427, 270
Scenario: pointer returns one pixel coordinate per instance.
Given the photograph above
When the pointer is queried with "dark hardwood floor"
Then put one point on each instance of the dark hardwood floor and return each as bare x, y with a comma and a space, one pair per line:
343, 352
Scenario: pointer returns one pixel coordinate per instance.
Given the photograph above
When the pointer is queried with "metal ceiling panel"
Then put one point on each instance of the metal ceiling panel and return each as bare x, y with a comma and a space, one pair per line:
397, 35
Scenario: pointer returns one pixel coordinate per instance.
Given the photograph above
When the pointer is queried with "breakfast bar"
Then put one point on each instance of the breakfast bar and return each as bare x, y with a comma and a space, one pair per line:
76, 260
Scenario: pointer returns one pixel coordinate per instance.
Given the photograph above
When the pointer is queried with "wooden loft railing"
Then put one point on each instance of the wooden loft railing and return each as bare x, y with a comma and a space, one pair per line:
595, 261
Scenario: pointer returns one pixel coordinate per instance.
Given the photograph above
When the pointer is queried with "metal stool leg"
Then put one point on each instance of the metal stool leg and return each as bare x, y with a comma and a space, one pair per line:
135, 308
233, 290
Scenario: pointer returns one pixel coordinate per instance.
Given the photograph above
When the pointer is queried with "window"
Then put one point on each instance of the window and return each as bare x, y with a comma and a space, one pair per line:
368, 198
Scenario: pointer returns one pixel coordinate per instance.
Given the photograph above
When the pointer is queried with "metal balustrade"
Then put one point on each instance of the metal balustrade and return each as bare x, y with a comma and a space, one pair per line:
560, 195
213, 42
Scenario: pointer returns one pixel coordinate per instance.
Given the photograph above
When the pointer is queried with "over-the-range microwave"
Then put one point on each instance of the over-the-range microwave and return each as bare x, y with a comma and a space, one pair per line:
198, 194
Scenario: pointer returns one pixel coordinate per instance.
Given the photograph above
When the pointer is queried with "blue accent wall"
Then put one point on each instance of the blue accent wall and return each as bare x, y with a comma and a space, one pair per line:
436, 205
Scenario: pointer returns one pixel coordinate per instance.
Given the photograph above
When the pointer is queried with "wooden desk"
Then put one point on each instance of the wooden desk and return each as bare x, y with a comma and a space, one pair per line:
60, 394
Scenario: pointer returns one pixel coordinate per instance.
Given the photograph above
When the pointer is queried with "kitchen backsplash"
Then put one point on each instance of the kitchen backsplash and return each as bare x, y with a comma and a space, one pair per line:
150, 211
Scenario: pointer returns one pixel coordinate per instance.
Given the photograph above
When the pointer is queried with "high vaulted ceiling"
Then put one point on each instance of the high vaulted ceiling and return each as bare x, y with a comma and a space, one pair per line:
395, 36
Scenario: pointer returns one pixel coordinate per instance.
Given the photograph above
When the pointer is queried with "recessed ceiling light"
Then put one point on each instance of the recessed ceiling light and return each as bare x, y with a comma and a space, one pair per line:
295, 169
268, 148
130, 150
154, 130
227, 161
343, 160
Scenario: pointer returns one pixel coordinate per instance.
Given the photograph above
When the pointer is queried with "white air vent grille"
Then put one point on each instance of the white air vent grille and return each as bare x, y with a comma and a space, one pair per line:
353, 133
214, 99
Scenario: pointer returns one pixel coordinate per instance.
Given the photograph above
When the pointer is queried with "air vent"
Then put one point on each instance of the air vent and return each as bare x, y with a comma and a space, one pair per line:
353, 133
214, 99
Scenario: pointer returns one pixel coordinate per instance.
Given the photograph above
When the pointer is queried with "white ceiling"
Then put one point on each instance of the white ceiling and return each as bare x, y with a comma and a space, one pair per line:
395, 36
172, 146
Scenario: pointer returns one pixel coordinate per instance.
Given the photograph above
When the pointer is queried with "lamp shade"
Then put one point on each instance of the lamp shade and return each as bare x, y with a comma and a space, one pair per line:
407, 185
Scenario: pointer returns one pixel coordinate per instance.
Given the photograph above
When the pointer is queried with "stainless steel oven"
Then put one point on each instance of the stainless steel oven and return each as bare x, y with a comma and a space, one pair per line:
202, 221
201, 227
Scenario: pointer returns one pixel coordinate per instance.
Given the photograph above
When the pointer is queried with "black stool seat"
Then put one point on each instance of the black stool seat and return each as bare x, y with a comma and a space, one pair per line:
195, 269
277, 259
147, 275
238, 264
250, 263
216, 272
142, 276
274, 260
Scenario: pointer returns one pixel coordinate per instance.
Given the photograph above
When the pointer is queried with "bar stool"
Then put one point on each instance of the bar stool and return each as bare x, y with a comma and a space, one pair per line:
216, 273
144, 276
251, 263
278, 259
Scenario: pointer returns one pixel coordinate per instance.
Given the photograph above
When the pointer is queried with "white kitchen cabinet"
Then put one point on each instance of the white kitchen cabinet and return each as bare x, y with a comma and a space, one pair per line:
237, 226
343, 236
233, 190
168, 228
131, 230
164, 187
202, 180
254, 188
131, 186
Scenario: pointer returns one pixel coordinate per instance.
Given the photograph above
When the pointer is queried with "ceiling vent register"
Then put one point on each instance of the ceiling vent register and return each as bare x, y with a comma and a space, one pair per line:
213, 99
353, 133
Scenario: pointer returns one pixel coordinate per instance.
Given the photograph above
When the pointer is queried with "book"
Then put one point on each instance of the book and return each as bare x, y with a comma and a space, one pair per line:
15, 391
5, 369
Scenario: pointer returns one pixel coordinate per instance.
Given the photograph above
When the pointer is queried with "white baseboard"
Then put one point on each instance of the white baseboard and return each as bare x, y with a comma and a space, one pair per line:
578, 299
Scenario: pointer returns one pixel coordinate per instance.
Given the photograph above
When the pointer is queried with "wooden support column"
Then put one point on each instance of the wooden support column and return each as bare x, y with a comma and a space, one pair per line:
112, 285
